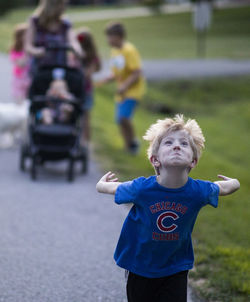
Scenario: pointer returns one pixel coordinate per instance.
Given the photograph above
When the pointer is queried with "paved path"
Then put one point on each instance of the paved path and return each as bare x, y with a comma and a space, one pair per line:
168, 70
56, 239
186, 69
5, 78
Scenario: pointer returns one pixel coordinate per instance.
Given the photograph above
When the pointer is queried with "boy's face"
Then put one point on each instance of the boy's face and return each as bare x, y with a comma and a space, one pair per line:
174, 151
114, 41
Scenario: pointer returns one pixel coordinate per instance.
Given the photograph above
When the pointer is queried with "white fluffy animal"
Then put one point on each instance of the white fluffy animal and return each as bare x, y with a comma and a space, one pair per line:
13, 123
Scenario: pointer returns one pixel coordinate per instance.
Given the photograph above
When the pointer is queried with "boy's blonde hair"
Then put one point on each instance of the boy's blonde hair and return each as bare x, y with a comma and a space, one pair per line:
157, 131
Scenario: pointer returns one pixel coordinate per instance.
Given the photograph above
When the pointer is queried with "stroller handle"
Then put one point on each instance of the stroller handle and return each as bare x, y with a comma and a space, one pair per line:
42, 101
53, 47
56, 54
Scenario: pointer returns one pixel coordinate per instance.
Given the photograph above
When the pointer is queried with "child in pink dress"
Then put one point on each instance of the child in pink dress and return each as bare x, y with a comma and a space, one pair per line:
20, 61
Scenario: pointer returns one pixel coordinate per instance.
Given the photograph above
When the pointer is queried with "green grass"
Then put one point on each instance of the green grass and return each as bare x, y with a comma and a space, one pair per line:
172, 36
221, 106
163, 36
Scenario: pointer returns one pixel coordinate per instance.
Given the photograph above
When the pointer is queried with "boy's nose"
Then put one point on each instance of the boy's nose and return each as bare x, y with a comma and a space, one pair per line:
177, 147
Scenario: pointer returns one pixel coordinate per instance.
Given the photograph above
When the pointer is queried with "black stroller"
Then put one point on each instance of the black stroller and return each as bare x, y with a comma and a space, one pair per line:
57, 141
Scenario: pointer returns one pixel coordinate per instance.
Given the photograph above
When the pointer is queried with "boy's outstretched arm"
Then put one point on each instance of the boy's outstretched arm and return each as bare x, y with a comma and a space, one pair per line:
108, 183
227, 185
105, 80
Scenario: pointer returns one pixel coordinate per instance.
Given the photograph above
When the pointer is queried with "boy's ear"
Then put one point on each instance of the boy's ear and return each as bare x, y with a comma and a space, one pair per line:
193, 163
154, 161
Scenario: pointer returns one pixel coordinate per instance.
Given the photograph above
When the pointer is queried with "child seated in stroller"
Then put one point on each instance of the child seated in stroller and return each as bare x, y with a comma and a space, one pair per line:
58, 112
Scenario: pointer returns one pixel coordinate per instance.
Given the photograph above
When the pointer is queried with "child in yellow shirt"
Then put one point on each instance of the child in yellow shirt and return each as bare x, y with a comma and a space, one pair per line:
126, 71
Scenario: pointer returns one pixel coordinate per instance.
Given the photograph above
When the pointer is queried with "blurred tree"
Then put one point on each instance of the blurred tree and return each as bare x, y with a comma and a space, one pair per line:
6, 5
32, 2
198, 1
93, 2
153, 4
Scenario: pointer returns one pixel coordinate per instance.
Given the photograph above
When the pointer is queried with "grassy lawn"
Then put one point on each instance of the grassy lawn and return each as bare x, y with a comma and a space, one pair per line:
172, 36
221, 106
164, 36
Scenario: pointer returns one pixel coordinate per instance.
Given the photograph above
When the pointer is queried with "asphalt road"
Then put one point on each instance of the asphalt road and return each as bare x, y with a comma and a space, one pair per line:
170, 70
57, 239
5, 79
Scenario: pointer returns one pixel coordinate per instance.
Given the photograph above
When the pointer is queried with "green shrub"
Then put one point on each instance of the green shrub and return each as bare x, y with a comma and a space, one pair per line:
10, 4
153, 3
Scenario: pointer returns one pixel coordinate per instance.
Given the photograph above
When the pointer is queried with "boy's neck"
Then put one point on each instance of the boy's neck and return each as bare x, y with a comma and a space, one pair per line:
173, 178
120, 44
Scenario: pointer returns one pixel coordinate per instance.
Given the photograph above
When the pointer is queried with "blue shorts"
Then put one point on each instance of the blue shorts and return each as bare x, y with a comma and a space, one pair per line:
125, 109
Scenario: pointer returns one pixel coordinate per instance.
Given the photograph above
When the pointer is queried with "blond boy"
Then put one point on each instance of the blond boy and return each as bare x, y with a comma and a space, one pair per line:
155, 243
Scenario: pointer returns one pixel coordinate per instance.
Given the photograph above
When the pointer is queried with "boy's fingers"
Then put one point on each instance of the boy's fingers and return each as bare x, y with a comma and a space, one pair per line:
223, 177
112, 179
106, 176
109, 177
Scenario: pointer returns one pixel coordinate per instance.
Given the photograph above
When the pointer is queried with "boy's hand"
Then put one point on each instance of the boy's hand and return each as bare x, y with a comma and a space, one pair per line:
121, 89
224, 177
109, 177
104, 81
131, 80
108, 183
227, 185
39, 52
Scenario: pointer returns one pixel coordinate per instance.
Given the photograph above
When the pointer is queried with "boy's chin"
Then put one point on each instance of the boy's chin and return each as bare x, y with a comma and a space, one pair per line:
177, 164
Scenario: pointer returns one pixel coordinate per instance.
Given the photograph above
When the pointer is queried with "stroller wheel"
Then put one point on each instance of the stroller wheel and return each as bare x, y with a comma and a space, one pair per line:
84, 159
85, 164
33, 171
24, 153
22, 160
71, 170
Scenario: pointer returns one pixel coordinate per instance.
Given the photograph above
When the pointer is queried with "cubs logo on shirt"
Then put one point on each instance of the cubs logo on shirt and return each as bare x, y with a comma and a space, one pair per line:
170, 227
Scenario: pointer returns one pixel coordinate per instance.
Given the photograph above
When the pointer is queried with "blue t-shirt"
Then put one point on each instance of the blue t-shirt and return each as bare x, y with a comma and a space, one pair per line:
155, 240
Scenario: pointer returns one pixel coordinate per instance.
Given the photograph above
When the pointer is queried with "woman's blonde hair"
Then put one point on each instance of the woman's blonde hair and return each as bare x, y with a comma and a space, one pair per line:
157, 131
48, 11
